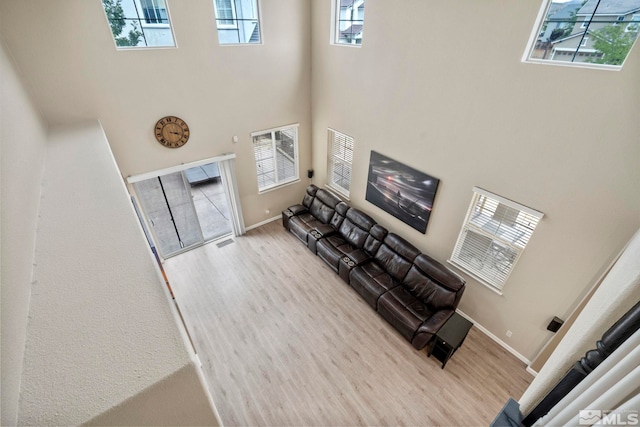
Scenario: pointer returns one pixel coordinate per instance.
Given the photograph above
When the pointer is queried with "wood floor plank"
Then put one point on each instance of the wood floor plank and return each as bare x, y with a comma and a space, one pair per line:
284, 341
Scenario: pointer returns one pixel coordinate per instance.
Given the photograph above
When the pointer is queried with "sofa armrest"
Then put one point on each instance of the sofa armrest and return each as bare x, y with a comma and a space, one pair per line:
358, 257
430, 327
297, 209
324, 230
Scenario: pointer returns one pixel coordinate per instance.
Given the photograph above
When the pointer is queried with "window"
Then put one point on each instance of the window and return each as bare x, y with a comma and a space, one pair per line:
349, 22
139, 23
339, 160
634, 24
155, 11
237, 21
493, 236
591, 33
276, 154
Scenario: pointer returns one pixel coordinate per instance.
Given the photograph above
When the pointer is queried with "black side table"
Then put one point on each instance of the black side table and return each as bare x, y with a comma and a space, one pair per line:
449, 338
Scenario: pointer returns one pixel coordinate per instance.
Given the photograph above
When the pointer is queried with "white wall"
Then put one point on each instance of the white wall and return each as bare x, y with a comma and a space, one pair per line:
66, 51
618, 293
440, 87
102, 328
23, 145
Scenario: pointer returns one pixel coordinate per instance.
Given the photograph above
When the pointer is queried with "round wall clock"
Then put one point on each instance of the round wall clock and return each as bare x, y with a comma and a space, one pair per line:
172, 132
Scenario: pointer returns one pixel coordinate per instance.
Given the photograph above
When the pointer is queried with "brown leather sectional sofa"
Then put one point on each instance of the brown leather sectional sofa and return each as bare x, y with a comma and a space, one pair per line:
411, 290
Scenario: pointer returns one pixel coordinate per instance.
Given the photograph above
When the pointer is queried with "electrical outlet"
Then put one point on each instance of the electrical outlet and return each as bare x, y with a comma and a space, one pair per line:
267, 212
509, 333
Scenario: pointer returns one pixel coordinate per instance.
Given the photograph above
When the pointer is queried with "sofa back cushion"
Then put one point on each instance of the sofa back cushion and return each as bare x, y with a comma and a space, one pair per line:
338, 216
433, 283
374, 239
323, 205
355, 227
396, 255
309, 195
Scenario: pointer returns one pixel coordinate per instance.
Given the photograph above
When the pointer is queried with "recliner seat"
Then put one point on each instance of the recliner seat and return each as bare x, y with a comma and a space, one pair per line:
426, 298
390, 264
350, 237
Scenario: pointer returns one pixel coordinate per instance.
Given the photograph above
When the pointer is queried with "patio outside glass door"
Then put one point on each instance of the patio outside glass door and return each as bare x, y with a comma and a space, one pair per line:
167, 203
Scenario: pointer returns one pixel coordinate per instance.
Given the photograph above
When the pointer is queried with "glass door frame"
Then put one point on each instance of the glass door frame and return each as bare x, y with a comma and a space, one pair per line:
225, 163
193, 216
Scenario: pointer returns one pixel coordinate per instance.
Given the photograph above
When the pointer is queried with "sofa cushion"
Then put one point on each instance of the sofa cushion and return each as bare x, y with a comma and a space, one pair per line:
396, 255
371, 281
309, 196
321, 211
404, 311
338, 216
375, 238
433, 283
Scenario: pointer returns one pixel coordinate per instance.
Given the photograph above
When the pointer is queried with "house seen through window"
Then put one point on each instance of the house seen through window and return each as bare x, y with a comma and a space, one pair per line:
493, 236
597, 33
276, 156
237, 21
139, 23
349, 22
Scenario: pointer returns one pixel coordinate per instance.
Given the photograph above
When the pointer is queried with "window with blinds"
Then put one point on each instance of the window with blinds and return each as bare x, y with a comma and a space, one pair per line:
495, 232
339, 160
276, 155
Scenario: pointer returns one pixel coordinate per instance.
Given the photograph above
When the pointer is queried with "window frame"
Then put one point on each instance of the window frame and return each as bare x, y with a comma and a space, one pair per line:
155, 24
332, 157
233, 13
335, 25
537, 28
142, 22
278, 183
634, 22
236, 25
504, 242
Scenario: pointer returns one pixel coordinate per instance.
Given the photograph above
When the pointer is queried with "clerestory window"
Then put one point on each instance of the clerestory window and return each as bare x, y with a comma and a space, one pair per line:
348, 22
237, 21
139, 23
591, 33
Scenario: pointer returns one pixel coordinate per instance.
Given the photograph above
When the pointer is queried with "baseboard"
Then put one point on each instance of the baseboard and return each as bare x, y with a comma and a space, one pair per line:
266, 221
531, 371
497, 340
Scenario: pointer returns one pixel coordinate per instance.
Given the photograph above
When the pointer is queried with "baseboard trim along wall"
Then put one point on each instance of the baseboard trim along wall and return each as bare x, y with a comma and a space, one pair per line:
498, 340
266, 221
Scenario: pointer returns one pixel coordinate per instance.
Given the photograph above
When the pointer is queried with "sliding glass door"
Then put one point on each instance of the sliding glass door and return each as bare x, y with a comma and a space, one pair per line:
167, 203
188, 205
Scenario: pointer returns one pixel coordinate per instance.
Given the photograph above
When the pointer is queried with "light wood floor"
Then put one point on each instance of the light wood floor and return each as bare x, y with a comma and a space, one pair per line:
284, 341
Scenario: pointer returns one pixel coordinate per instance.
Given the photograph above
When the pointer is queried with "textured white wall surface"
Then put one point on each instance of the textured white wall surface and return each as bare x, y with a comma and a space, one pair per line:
619, 291
431, 89
66, 51
23, 145
102, 328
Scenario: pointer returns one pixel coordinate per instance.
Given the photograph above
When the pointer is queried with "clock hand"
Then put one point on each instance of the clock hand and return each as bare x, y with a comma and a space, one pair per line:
175, 133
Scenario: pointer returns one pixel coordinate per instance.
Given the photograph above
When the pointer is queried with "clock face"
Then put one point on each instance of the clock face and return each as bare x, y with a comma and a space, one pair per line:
172, 132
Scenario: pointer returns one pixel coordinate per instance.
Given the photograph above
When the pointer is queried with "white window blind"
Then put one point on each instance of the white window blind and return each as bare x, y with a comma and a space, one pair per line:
276, 155
493, 236
339, 161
